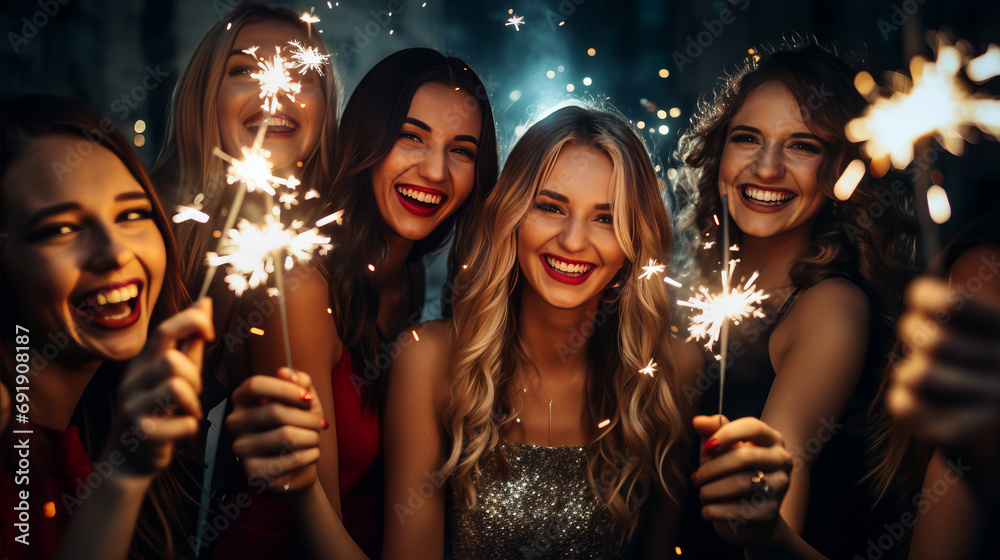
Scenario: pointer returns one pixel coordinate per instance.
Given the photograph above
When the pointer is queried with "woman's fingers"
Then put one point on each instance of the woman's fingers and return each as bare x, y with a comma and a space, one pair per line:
742, 459
271, 469
259, 388
271, 415
274, 442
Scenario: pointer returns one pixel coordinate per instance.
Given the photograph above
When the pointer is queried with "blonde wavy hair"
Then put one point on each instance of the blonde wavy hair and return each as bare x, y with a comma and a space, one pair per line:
186, 166
628, 456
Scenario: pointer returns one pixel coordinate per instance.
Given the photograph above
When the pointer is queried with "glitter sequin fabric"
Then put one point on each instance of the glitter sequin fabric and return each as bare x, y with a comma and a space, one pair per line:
544, 510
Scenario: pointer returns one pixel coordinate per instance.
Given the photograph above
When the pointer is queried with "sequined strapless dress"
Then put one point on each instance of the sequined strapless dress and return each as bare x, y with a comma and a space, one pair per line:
545, 509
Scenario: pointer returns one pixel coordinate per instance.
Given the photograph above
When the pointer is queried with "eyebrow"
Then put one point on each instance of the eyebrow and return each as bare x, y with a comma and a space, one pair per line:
426, 127
565, 200
56, 209
807, 135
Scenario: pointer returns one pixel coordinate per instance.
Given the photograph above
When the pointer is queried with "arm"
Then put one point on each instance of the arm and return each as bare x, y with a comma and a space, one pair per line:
818, 353
168, 370
950, 523
316, 348
416, 446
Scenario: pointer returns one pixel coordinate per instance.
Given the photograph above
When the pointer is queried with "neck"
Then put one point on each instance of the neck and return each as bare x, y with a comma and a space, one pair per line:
771, 257
557, 338
55, 394
399, 249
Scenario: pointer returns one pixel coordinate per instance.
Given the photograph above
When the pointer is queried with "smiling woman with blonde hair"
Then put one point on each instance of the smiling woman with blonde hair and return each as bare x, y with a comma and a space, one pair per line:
546, 433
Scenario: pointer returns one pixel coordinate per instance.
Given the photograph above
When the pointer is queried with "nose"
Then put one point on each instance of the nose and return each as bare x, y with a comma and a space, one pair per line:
767, 163
107, 250
573, 236
433, 165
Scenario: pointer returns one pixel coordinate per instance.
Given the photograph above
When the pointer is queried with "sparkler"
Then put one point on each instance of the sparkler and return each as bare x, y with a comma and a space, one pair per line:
717, 310
310, 18
652, 268
516, 21
937, 103
307, 58
650, 368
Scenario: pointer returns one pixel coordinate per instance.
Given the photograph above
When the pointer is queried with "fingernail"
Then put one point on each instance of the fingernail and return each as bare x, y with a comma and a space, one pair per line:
326, 425
711, 444
306, 396
694, 477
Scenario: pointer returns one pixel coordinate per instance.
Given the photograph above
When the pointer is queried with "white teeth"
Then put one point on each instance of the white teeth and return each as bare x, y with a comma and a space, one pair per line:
568, 269
420, 195
117, 295
761, 195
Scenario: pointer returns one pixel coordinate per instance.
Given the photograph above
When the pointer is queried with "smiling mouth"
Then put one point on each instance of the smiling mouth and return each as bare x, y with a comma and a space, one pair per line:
277, 123
427, 200
764, 197
567, 269
112, 307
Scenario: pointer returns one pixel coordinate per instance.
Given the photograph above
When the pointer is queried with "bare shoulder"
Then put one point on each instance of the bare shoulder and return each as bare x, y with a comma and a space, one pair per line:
834, 300
424, 353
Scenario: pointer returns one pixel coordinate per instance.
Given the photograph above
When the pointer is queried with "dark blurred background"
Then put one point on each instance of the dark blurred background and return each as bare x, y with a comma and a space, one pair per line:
643, 56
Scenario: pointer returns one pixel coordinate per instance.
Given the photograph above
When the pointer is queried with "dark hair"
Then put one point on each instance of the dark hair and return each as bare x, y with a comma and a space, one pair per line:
369, 127
845, 241
23, 121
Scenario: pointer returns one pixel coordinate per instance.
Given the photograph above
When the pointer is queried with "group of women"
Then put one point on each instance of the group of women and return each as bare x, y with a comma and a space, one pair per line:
558, 409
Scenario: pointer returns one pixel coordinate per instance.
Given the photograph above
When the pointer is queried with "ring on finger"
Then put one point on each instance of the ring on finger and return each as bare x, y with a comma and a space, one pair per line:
758, 483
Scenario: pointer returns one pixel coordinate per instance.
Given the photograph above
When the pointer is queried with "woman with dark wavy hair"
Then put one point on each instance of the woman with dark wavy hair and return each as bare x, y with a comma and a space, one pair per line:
417, 149
773, 141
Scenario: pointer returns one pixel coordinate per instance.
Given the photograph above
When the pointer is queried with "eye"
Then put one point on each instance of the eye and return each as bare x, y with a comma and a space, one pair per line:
548, 207
605, 219
242, 71
135, 214
53, 231
411, 136
809, 147
743, 138
465, 152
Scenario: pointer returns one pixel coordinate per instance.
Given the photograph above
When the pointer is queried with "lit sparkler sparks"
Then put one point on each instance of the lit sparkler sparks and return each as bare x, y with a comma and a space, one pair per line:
937, 103
307, 58
650, 368
310, 18
516, 21
249, 251
652, 268
275, 79
732, 304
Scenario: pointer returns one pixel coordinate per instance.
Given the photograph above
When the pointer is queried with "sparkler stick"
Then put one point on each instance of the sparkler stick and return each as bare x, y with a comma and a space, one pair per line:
724, 339
279, 282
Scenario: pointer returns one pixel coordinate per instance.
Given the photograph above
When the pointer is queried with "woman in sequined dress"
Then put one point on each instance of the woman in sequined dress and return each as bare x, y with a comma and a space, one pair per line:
549, 397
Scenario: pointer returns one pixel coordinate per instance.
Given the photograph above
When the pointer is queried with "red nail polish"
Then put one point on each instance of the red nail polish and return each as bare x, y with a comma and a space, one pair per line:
711, 444
326, 425
306, 396
694, 477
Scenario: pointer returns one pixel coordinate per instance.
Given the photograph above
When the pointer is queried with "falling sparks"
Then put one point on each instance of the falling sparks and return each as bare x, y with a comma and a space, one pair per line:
604, 423
937, 203
849, 180
672, 282
937, 103
193, 212
516, 21
310, 18
257, 331
415, 336
307, 58
652, 268
335, 217
732, 304
250, 249
371, 267
650, 368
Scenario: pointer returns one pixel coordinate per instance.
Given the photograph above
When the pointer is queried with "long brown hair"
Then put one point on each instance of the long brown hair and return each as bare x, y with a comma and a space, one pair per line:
846, 240
368, 130
163, 522
645, 422
186, 165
